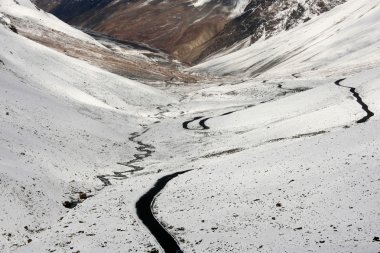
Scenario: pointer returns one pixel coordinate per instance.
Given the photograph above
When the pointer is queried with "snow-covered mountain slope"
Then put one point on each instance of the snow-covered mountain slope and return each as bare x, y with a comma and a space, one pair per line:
284, 162
63, 122
262, 20
26, 10
276, 174
120, 57
235, 7
292, 168
346, 38
187, 29
177, 27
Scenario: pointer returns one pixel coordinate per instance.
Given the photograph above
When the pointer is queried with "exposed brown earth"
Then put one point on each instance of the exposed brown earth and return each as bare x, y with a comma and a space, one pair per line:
187, 32
125, 61
48, 5
173, 26
177, 27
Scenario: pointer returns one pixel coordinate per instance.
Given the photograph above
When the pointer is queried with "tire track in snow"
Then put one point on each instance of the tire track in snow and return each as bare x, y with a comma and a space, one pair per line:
145, 213
359, 100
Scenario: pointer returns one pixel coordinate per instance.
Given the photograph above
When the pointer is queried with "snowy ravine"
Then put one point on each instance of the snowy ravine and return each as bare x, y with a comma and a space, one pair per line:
280, 157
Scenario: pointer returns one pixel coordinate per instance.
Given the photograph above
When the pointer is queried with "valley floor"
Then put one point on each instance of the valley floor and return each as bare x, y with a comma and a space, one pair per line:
287, 161
268, 169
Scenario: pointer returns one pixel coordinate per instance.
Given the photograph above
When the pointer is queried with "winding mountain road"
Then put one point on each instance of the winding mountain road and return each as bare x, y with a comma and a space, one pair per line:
145, 204
359, 100
202, 122
144, 211
185, 124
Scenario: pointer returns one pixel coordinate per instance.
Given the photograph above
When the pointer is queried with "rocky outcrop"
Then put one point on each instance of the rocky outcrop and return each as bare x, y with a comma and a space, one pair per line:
264, 18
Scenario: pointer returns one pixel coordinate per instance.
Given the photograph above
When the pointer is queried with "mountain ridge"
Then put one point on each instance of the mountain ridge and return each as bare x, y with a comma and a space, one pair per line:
188, 30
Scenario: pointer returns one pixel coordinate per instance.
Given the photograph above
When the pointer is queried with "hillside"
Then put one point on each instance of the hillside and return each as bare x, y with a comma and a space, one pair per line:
58, 116
342, 40
131, 60
188, 30
264, 147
